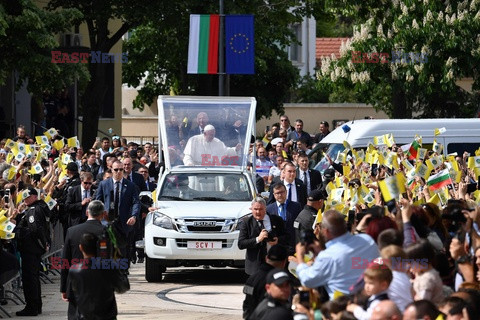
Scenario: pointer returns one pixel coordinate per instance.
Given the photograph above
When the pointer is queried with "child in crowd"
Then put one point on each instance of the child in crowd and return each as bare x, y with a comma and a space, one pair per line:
400, 290
377, 278
427, 283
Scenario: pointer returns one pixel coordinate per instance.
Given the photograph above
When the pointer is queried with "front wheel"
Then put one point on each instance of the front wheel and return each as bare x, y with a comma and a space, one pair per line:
154, 270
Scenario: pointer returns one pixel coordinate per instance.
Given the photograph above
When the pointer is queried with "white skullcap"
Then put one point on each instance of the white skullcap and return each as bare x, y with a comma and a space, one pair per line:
208, 127
276, 140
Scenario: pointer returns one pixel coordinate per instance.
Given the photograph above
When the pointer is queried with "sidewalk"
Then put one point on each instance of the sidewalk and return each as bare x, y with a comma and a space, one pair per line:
152, 300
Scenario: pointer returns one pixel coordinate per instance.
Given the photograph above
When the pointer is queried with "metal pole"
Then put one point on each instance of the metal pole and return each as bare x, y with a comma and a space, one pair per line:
221, 51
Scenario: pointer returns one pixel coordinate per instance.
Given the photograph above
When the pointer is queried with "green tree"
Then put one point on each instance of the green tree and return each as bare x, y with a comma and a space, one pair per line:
158, 54
27, 37
98, 15
446, 34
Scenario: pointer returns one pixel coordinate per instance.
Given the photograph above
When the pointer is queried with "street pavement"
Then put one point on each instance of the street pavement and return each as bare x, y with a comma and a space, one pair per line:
189, 294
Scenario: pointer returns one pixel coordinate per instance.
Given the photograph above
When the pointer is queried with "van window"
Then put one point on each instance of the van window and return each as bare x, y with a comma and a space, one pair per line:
461, 147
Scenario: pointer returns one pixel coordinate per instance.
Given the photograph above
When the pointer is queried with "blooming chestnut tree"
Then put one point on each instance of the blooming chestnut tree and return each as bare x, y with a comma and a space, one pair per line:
406, 56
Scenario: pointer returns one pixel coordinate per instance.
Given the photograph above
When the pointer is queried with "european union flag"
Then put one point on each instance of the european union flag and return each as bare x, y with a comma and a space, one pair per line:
239, 44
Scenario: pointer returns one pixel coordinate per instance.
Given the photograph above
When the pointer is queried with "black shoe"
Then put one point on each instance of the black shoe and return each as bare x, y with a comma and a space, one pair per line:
27, 313
140, 260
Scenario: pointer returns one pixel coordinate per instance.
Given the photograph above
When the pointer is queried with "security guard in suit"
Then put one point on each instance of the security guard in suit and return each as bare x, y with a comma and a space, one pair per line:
33, 237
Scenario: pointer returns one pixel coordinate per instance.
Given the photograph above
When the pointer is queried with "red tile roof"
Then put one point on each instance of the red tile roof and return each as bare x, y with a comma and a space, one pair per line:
326, 46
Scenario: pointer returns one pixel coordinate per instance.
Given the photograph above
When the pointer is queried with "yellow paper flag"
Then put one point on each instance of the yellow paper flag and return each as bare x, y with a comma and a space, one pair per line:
51, 203
318, 218
439, 131
73, 142
12, 171
473, 162
41, 140
37, 168
10, 143
51, 133
421, 153
58, 145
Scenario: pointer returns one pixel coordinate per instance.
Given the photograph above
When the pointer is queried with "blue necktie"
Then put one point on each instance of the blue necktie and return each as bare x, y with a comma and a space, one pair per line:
281, 211
289, 197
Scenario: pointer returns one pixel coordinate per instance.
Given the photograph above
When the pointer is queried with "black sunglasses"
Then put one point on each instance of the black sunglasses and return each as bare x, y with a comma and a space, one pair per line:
118, 169
87, 183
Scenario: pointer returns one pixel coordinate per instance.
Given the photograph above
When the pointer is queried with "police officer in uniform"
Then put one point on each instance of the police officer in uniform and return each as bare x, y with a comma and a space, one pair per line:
275, 305
306, 217
33, 240
254, 288
61, 192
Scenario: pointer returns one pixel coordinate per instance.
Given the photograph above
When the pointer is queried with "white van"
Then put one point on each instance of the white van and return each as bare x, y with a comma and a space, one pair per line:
200, 205
460, 135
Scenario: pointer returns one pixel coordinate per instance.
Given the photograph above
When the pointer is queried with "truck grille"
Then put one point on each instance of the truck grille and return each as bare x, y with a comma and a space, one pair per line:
182, 243
208, 224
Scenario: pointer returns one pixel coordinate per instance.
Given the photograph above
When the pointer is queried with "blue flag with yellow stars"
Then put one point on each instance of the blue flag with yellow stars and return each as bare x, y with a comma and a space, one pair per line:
239, 44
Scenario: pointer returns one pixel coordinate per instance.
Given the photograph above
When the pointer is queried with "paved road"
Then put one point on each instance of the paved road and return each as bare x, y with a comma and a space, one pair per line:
189, 294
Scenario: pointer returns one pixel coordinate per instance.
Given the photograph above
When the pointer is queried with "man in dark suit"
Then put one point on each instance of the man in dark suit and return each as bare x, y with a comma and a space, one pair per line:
91, 164
143, 171
94, 288
296, 190
287, 210
134, 177
120, 196
78, 198
259, 232
202, 121
310, 177
71, 251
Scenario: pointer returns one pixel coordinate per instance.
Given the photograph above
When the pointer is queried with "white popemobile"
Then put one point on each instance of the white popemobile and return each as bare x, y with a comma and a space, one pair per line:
199, 205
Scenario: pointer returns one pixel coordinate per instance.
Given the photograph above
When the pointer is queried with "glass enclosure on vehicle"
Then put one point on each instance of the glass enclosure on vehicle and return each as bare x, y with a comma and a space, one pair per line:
205, 187
206, 131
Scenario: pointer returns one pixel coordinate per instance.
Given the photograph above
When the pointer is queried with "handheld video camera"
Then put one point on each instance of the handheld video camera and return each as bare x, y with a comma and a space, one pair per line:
307, 237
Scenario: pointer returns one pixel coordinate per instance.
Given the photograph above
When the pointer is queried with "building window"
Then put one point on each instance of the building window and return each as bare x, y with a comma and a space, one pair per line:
295, 50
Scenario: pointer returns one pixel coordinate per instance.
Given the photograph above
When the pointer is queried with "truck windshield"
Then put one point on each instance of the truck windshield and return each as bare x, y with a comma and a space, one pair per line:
205, 187
332, 152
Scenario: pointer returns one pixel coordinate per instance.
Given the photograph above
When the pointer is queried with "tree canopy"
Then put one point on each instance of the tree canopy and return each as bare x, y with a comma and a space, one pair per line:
445, 33
27, 37
158, 52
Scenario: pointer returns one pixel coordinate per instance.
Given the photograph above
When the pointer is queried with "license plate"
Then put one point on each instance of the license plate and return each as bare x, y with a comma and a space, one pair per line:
204, 245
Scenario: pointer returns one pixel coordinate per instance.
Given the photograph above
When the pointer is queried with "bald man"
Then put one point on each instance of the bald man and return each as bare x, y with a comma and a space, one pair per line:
386, 310
206, 150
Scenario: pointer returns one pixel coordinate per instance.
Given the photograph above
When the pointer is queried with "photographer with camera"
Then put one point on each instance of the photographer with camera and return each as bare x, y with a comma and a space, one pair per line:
258, 233
334, 267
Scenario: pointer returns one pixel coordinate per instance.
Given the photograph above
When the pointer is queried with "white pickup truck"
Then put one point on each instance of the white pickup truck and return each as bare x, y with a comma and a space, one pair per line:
199, 206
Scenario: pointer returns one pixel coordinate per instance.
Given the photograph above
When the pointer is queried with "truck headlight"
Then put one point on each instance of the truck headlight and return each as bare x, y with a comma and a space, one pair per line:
163, 221
236, 225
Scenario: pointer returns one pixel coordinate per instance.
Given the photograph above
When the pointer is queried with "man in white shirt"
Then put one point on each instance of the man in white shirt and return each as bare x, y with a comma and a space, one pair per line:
206, 150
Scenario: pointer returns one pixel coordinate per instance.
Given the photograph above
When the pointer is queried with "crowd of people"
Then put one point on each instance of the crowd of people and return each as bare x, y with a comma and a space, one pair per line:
49, 180
384, 233
388, 232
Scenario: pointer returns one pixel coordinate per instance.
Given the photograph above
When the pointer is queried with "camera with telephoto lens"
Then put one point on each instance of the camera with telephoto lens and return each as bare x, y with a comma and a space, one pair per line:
307, 237
271, 236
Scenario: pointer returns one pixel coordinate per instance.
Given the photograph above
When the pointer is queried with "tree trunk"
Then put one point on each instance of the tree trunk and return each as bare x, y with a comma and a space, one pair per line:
399, 101
92, 103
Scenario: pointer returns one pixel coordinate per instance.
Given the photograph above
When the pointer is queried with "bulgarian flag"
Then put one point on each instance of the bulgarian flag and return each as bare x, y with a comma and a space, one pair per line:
412, 151
439, 180
203, 43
